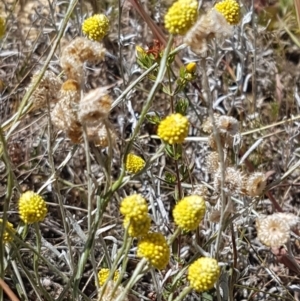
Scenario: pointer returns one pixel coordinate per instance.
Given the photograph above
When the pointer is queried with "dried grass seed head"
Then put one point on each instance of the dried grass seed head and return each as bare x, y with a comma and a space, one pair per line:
181, 16
47, 89
206, 28
94, 106
255, 184
272, 231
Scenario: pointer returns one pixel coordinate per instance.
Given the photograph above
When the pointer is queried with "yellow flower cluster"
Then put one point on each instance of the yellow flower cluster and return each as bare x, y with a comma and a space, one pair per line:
173, 129
95, 27
2, 27
191, 67
103, 275
32, 207
189, 212
134, 163
181, 16
154, 247
230, 9
135, 210
203, 273
7, 237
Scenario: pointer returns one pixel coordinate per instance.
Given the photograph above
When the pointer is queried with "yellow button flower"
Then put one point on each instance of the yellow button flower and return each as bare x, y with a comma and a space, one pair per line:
134, 163
134, 207
7, 237
137, 228
154, 247
230, 9
203, 274
95, 27
32, 207
181, 16
189, 212
173, 129
191, 67
103, 275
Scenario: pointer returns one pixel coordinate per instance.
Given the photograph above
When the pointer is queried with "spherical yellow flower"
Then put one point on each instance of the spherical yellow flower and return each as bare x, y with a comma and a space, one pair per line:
137, 229
32, 207
230, 9
7, 237
191, 67
95, 27
181, 16
2, 27
173, 129
189, 212
134, 163
203, 273
103, 275
154, 247
135, 208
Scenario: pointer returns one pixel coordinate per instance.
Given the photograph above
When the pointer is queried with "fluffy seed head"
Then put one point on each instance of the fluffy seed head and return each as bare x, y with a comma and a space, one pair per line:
7, 237
47, 89
206, 28
94, 106
189, 212
203, 274
32, 207
272, 231
95, 27
234, 180
103, 275
154, 247
76, 53
70, 85
173, 129
181, 16
227, 124
135, 208
101, 134
134, 163
255, 184
212, 162
226, 141
200, 190
230, 9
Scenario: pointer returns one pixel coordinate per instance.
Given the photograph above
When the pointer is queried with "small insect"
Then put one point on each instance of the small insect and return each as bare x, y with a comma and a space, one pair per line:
155, 48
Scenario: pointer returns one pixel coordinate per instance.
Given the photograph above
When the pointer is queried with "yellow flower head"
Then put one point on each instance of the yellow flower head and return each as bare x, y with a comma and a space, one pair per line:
154, 247
2, 27
7, 237
134, 163
230, 9
95, 27
189, 212
203, 273
134, 208
173, 129
137, 228
191, 67
32, 207
103, 275
181, 16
